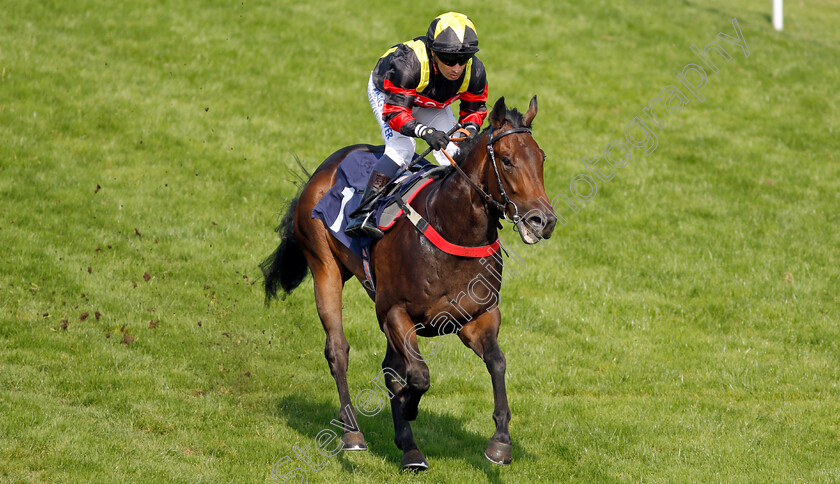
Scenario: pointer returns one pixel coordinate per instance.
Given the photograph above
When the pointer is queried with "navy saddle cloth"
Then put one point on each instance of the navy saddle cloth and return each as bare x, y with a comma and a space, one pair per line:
350, 182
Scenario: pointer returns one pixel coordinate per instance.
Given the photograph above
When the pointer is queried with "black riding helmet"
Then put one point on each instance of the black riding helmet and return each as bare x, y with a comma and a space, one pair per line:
453, 33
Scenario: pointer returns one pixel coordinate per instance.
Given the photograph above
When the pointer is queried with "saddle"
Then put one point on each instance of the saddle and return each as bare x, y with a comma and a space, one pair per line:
387, 209
351, 178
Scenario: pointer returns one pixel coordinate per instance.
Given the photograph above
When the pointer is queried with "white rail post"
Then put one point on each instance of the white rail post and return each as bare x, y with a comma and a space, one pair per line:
777, 14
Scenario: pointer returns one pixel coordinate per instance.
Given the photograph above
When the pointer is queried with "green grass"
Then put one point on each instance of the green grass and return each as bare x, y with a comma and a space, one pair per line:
682, 327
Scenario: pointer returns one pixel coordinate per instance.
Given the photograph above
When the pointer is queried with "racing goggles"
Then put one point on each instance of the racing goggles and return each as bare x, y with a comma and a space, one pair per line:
453, 59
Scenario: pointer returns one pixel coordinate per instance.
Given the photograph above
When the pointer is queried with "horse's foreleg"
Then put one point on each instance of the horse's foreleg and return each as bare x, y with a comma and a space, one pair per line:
394, 371
328, 287
401, 334
481, 336
403, 359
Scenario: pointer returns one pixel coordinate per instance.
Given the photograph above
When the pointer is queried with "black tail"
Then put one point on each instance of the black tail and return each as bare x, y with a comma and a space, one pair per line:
286, 268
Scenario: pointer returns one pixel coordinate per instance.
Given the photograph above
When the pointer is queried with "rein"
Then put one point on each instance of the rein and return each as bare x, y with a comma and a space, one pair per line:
434, 236
486, 197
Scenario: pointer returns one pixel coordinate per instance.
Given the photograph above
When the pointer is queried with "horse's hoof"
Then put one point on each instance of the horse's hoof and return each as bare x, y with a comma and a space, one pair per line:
499, 453
353, 441
414, 460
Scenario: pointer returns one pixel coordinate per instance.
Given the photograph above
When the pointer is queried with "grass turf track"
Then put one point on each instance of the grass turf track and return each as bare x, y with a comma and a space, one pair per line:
682, 327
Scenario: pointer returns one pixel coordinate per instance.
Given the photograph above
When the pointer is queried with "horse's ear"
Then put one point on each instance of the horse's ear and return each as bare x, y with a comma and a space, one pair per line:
532, 112
497, 115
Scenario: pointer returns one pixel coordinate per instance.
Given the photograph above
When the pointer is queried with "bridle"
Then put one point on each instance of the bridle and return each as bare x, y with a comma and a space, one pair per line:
428, 231
488, 199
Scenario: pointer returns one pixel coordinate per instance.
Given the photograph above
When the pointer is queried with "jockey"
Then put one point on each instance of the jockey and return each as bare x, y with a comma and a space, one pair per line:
410, 91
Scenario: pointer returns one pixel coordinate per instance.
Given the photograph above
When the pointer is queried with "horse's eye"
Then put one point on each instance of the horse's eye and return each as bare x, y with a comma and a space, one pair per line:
506, 161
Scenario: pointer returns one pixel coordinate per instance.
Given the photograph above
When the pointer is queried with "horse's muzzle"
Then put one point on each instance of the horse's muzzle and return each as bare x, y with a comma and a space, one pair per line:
536, 225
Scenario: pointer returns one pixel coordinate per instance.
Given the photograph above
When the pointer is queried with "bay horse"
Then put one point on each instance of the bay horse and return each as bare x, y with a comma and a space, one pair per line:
420, 289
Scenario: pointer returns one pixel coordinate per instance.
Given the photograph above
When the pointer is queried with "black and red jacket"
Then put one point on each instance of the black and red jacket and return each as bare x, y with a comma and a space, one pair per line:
408, 76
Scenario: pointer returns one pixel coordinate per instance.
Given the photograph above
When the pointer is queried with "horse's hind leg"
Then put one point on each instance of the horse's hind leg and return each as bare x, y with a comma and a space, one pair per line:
328, 286
480, 335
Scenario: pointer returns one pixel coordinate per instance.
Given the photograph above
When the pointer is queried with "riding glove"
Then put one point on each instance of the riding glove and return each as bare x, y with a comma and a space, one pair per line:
472, 128
437, 139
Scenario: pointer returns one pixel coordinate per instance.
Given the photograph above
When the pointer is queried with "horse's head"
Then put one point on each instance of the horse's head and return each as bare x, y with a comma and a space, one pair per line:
516, 163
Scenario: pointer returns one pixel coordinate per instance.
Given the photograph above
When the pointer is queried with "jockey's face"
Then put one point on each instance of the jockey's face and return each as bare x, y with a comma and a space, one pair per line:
450, 72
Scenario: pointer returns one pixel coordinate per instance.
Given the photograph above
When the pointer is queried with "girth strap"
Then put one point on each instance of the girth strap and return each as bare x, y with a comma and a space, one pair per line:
435, 238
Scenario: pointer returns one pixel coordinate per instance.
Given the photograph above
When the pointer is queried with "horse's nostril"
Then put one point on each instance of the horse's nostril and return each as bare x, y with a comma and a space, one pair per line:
541, 223
536, 221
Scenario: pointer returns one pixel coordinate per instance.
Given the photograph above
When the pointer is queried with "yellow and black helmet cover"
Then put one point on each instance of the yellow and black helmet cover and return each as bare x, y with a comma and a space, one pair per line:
453, 33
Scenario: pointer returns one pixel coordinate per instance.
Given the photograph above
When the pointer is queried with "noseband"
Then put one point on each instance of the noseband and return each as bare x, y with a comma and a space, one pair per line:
502, 206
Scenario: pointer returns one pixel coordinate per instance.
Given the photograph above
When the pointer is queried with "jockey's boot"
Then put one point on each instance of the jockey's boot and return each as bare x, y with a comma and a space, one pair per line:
362, 221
